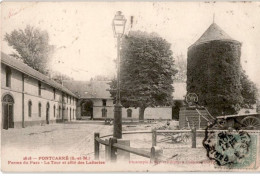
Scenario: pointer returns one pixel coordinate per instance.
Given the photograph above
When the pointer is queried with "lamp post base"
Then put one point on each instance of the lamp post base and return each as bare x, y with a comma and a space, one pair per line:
118, 121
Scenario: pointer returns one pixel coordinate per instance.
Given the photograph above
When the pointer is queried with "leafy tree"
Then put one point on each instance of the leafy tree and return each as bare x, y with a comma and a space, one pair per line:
32, 47
59, 77
147, 70
249, 91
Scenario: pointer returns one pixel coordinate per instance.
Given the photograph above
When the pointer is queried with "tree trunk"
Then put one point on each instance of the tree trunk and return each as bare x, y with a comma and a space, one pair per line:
141, 114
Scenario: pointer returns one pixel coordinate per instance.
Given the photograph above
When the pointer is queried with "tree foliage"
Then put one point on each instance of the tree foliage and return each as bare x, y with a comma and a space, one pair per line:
249, 91
147, 70
59, 77
31, 46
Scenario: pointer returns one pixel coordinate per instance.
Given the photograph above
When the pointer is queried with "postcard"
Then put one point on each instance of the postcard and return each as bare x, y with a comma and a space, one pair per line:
130, 86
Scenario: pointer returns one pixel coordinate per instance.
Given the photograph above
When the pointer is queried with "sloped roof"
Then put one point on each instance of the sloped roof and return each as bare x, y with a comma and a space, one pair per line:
214, 32
20, 66
89, 89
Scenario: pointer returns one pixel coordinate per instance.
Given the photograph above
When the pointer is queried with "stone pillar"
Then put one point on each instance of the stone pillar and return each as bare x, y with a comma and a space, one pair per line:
123, 155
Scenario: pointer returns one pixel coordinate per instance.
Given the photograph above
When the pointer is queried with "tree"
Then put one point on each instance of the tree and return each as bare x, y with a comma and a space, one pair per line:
59, 77
147, 70
249, 91
32, 47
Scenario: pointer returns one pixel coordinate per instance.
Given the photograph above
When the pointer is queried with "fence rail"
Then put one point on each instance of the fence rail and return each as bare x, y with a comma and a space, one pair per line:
155, 153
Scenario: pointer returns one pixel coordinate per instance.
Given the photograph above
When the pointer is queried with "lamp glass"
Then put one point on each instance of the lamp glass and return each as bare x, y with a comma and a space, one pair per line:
119, 24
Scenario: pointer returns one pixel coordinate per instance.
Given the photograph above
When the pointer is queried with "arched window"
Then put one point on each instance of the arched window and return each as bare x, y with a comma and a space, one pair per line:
104, 112
8, 77
129, 112
54, 109
30, 108
40, 109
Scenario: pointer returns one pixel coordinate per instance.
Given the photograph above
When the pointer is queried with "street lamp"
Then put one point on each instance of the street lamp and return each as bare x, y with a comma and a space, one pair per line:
118, 24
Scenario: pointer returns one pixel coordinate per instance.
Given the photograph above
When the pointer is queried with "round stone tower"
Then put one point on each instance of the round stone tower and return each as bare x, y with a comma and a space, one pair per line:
213, 71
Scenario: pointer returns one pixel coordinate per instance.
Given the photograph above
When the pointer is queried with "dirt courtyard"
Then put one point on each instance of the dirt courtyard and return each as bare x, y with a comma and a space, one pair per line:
78, 139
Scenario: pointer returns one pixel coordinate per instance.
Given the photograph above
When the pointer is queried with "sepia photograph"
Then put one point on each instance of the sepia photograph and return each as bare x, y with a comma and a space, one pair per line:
116, 86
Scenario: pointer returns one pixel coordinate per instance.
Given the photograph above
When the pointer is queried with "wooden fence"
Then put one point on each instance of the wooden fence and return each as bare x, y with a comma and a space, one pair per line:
155, 154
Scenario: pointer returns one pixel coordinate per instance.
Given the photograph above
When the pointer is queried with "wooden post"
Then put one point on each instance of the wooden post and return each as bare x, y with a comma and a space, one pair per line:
112, 149
156, 152
193, 132
154, 137
107, 151
96, 146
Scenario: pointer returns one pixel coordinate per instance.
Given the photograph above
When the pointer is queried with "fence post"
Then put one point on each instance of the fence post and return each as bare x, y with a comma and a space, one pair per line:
156, 152
96, 146
193, 132
112, 149
107, 151
154, 137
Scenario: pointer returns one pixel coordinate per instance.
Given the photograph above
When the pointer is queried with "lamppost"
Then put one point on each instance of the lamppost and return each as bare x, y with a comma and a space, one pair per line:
118, 24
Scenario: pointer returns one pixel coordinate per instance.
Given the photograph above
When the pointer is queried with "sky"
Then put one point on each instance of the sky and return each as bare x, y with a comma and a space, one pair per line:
83, 36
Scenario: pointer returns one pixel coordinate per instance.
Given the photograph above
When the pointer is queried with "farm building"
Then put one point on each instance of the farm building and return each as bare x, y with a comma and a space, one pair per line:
31, 98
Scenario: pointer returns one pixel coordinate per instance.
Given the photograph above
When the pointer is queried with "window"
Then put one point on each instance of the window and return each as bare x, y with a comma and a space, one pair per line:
67, 98
104, 102
129, 112
70, 113
73, 114
39, 88
40, 109
8, 77
54, 93
104, 112
59, 112
30, 108
54, 109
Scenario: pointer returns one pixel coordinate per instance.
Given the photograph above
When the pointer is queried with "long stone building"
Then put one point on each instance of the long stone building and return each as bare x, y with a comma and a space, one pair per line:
31, 98
96, 103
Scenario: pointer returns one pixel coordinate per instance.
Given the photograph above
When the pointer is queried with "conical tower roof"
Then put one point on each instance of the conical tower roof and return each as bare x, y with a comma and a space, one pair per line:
214, 32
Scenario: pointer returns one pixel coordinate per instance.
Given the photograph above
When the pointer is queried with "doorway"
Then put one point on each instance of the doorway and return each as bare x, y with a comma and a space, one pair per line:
8, 120
87, 109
